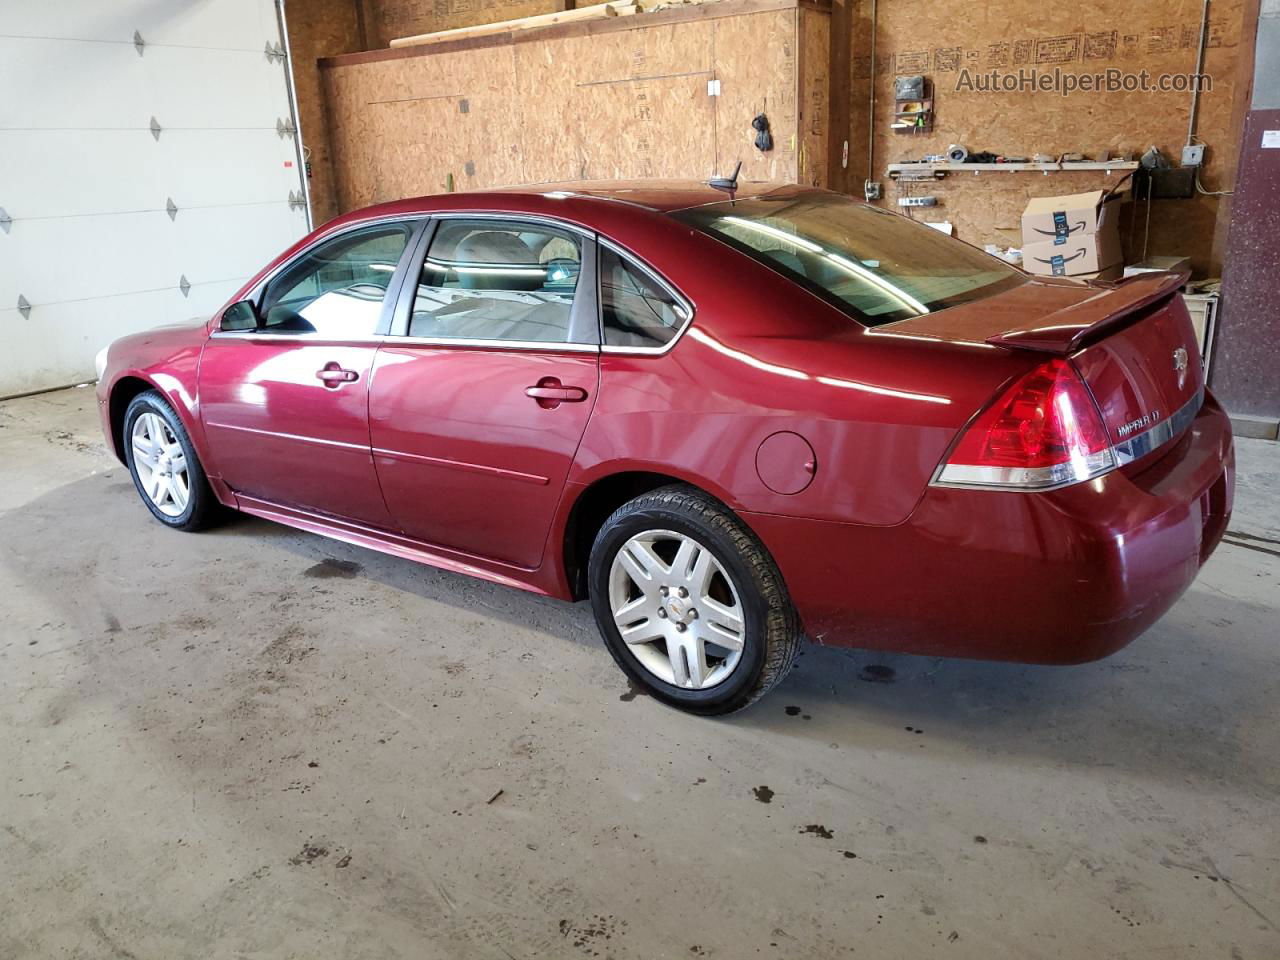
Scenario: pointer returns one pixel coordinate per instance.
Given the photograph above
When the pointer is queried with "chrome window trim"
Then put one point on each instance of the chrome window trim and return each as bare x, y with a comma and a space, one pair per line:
674, 292
391, 340
512, 215
294, 337
1045, 479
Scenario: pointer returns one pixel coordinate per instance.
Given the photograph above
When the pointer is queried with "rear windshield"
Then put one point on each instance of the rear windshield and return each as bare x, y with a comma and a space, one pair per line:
874, 265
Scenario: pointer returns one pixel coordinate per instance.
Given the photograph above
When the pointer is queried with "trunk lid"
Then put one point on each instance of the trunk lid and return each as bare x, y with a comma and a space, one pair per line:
1132, 343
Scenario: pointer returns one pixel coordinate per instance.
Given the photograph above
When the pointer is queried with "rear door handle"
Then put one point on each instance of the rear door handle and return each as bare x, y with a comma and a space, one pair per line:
550, 393
333, 375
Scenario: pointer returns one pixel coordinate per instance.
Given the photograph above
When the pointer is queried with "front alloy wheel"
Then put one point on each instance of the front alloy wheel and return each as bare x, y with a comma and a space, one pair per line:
161, 465
164, 465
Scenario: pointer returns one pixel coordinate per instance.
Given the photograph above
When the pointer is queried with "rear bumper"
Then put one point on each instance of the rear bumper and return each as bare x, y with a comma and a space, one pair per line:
1061, 577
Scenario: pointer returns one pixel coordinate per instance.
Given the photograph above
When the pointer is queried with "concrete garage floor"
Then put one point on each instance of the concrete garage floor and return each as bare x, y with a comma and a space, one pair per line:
259, 743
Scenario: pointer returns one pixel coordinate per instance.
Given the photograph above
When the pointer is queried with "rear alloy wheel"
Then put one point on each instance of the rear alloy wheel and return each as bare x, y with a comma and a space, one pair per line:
164, 465
689, 602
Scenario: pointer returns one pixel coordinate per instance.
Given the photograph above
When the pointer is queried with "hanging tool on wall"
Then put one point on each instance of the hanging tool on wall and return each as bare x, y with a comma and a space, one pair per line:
764, 138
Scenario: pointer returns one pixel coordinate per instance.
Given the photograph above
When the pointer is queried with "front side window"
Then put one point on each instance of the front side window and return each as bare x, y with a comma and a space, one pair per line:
875, 266
497, 280
338, 288
636, 310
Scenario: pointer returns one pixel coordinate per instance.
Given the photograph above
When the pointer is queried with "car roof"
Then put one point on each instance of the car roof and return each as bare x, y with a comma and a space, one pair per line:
656, 196
662, 196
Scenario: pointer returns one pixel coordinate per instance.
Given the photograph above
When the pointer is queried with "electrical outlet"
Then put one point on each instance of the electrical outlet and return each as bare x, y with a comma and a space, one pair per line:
871, 190
1193, 155
917, 201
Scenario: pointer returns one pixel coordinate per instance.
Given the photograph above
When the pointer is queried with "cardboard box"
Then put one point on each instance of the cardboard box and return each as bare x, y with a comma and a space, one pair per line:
1078, 252
1062, 218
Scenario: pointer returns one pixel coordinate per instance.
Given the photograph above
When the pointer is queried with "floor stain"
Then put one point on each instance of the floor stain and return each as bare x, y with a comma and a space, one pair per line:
590, 937
878, 673
633, 690
309, 854
330, 567
819, 830
763, 794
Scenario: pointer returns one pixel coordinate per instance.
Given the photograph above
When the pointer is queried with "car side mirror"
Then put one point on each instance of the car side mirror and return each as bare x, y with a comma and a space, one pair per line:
239, 316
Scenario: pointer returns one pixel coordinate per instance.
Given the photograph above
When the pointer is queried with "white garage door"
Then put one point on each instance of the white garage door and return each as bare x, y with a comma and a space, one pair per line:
112, 223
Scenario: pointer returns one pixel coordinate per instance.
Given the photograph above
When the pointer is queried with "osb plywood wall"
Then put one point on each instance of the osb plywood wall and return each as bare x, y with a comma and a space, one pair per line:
943, 38
626, 98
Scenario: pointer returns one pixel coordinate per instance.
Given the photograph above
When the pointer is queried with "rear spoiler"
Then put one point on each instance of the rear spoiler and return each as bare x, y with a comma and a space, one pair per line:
1115, 305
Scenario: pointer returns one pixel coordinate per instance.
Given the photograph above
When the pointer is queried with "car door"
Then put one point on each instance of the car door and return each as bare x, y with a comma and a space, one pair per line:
482, 392
284, 385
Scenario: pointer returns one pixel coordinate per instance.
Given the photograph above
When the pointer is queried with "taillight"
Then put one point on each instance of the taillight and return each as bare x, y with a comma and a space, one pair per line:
1043, 431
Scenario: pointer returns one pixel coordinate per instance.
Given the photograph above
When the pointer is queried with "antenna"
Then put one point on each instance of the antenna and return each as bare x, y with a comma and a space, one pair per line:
728, 184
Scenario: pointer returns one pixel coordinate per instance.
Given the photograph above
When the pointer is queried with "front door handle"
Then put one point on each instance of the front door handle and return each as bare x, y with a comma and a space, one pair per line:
550, 393
333, 375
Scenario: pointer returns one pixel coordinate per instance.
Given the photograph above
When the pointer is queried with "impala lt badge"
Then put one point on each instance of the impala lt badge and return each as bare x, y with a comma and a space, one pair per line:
1147, 420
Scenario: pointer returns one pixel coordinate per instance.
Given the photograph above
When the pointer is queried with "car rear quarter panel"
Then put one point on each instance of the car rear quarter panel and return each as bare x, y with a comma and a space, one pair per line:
764, 356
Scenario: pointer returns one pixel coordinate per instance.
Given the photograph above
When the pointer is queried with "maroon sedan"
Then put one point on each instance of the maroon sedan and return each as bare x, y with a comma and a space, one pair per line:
730, 423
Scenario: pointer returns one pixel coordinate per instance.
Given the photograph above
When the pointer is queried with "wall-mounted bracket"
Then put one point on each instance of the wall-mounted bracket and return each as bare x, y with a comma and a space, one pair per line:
296, 200
24, 307
6, 221
138, 43
285, 128
155, 128
171, 209
274, 53
184, 285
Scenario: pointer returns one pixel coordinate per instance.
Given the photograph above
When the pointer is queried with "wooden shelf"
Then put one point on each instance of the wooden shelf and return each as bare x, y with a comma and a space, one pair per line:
937, 169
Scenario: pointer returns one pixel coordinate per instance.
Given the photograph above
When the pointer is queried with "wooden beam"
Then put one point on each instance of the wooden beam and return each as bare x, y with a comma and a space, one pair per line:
594, 12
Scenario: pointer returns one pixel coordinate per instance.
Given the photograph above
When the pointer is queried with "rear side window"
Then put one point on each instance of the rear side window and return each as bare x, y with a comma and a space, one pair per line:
496, 280
337, 288
635, 309
875, 266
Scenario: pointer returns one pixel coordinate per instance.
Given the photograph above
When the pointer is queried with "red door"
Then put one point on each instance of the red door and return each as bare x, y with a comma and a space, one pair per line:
286, 421
473, 444
284, 385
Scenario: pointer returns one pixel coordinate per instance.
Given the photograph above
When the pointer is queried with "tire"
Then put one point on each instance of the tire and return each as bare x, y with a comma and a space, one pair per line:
656, 541
149, 415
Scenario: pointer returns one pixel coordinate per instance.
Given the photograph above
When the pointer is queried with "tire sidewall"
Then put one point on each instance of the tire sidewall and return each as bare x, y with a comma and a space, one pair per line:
738, 685
150, 402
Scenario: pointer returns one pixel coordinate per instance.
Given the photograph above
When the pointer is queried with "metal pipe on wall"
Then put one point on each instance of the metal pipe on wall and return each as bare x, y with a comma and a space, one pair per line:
871, 110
